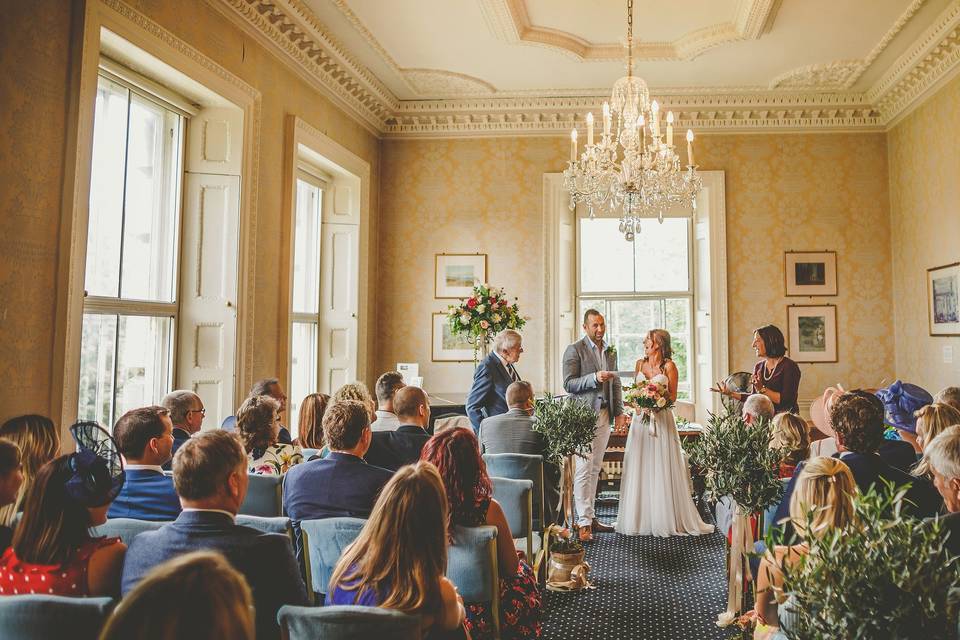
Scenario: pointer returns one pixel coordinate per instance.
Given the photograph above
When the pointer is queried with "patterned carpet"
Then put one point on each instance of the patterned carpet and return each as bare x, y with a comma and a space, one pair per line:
648, 588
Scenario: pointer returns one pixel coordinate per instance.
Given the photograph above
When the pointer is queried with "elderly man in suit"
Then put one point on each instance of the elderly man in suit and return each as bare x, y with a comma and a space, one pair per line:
145, 438
394, 449
590, 375
487, 396
210, 473
512, 432
943, 452
186, 413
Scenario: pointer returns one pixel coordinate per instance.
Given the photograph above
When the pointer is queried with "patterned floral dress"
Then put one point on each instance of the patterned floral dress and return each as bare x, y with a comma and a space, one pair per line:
275, 460
520, 600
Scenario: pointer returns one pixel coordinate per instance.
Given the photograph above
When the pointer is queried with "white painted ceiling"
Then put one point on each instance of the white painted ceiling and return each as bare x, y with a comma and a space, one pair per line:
425, 49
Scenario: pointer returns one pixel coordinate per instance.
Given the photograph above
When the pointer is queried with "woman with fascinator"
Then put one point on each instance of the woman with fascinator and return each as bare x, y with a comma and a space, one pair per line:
53, 551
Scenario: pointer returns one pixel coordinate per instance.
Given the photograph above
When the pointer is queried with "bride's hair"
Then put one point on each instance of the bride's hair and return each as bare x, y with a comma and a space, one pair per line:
661, 338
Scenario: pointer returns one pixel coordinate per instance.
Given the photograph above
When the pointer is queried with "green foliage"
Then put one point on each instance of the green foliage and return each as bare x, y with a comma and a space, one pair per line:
737, 461
886, 577
567, 424
566, 545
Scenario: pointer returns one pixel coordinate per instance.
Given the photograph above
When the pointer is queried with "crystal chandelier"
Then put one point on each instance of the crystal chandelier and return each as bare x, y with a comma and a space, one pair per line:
634, 169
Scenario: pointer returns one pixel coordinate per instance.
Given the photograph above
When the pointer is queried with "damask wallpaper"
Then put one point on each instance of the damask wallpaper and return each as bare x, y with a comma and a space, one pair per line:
787, 192
924, 151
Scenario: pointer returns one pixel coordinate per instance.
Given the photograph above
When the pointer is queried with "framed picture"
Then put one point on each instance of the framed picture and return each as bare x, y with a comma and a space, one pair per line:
446, 346
812, 332
943, 300
456, 273
811, 273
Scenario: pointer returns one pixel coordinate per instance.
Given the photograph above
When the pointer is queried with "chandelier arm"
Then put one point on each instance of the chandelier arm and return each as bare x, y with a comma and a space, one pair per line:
629, 37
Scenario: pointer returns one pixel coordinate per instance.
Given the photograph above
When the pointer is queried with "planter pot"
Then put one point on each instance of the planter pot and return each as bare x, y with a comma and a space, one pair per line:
561, 565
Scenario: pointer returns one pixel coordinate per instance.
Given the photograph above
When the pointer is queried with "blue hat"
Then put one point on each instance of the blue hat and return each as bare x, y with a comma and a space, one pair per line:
97, 467
900, 400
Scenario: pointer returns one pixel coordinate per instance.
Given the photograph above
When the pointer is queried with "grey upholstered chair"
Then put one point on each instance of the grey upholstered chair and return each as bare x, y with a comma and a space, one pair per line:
264, 497
323, 543
346, 623
41, 617
472, 567
521, 466
516, 500
125, 528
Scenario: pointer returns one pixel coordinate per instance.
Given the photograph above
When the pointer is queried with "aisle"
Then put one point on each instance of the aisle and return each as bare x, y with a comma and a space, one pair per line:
647, 589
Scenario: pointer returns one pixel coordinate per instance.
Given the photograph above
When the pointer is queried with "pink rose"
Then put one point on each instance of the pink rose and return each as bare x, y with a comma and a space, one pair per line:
484, 324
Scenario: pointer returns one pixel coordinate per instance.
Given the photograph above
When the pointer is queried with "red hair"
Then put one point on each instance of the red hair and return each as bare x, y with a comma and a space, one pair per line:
456, 455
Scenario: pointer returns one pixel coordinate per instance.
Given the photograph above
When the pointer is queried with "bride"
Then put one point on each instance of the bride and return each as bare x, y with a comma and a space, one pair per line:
654, 490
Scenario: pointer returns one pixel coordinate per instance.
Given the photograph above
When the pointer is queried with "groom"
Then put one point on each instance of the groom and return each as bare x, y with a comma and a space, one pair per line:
590, 375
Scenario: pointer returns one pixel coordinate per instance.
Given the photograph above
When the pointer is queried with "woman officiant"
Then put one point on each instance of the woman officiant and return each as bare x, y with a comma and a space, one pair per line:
775, 375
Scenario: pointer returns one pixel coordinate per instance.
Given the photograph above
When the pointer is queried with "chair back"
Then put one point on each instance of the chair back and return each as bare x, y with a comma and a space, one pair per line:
309, 453
516, 500
346, 622
279, 525
229, 423
40, 617
323, 544
125, 528
521, 466
472, 567
263, 497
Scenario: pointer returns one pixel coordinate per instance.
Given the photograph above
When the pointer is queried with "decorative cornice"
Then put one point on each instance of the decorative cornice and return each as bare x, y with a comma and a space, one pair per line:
439, 83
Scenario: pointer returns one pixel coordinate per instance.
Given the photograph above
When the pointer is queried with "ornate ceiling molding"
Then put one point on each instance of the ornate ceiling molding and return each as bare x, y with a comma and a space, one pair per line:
809, 99
509, 22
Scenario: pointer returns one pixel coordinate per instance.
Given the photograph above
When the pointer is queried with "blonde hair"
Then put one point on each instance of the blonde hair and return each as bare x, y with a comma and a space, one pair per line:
356, 391
194, 596
39, 443
823, 496
403, 546
934, 418
790, 432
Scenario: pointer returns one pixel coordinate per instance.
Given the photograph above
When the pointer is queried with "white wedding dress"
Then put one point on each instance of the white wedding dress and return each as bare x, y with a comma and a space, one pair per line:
654, 488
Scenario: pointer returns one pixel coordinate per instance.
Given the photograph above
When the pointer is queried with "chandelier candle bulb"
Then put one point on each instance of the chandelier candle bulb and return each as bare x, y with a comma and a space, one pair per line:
669, 128
655, 119
589, 129
606, 118
690, 147
573, 145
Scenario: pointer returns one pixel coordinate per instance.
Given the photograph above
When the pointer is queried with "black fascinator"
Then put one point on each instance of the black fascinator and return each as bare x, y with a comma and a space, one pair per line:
97, 466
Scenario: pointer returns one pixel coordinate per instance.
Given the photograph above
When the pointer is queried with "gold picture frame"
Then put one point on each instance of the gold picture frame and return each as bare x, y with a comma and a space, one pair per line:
812, 333
455, 274
943, 300
446, 347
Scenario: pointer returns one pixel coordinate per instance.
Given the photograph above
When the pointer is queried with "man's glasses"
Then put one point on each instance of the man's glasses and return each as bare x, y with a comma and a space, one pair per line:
202, 412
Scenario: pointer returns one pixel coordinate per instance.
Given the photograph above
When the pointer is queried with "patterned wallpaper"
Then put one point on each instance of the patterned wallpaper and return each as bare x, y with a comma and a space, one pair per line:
789, 192
925, 224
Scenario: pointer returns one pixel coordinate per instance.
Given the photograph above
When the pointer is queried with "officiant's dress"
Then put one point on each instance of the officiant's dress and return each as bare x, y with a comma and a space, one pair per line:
655, 496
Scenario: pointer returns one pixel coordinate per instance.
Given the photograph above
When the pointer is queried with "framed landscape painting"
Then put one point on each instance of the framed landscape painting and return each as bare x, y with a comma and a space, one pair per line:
943, 300
456, 273
811, 273
446, 346
812, 332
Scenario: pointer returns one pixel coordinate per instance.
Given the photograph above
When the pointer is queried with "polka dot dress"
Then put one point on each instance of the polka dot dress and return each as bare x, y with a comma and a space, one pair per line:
646, 588
69, 579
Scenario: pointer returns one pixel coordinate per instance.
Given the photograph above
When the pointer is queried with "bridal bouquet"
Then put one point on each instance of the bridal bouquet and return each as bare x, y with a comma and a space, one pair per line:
648, 397
483, 315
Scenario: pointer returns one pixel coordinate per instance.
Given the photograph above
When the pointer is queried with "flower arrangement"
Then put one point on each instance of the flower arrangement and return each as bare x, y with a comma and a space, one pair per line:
484, 314
648, 396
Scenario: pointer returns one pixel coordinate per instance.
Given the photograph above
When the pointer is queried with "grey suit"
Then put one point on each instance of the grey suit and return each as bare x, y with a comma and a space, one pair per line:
512, 432
581, 363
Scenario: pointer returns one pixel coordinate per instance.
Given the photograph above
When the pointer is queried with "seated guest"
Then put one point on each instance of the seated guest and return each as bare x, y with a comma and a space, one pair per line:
512, 432
943, 456
393, 449
193, 597
822, 500
790, 434
258, 425
52, 550
456, 455
310, 424
210, 474
858, 422
950, 396
11, 477
757, 406
186, 413
271, 387
932, 420
901, 401
359, 392
820, 410
342, 484
494, 374
39, 443
144, 438
399, 559
387, 385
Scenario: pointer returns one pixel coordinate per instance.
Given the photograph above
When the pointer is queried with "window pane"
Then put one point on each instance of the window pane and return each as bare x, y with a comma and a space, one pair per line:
306, 249
106, 190
606, 259
662, 263
149, 227
144, 358
628, 322
677, 312
97, 358
303, 368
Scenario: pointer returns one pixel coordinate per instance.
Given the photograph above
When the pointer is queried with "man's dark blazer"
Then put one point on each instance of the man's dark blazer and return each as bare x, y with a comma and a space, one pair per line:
284, 436
868, 470
898, 454
265, 560
179, 437
340, 485
512, 432
394, 449
951, 524
488, 395
146, 495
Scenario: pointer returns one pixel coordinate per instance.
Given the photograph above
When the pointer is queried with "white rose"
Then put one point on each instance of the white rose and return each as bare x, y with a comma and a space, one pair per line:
481, 308
464, 320
661, 402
